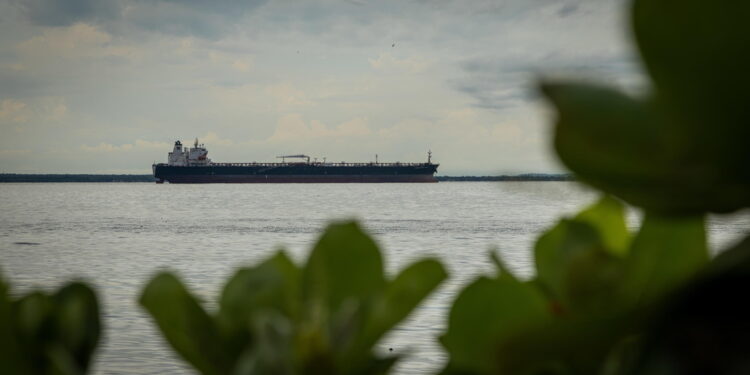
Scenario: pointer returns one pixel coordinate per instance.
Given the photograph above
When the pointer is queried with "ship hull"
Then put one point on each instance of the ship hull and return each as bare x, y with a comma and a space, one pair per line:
295, 173
235, 179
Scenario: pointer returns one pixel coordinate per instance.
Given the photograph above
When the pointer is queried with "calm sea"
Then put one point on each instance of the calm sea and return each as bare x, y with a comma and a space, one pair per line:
117, 235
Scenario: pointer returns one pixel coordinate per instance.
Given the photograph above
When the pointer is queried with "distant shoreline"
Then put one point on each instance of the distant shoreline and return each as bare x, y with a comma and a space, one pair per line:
15, 177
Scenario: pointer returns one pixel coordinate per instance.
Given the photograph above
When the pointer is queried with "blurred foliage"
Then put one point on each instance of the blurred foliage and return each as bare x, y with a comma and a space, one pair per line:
594, 287
682, 148
279, 318
604, 301
703, 328
48, 333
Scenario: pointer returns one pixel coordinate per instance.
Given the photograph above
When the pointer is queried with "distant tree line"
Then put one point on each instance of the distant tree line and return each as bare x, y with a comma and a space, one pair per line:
518, 177
13, 177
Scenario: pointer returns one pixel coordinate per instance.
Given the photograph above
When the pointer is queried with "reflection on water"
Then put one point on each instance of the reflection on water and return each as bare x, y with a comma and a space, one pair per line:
117, 235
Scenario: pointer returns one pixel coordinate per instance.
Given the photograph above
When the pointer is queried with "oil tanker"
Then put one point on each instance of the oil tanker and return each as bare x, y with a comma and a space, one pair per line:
192, 166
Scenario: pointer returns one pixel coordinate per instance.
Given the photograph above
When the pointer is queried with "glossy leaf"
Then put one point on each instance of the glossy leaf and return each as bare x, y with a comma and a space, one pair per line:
184, 323
43, 334
11, 357
486, 313
282, 319
570, 345
401, 296
272, 285
576, 263
697, 56
702, 328
345, 265
32, 317
77, 324
616, 143
271, 352
608, 217
557, 248
682, 150
665, 253
591, 282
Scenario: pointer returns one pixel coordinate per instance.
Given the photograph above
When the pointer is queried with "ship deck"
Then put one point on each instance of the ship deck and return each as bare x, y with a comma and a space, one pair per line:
314, 164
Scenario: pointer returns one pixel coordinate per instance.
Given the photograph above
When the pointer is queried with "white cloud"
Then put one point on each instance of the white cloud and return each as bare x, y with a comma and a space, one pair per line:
287, 96
13, 111
14, 153
72, 42
45, 109
389, 63
107, 147
293, 128
212, 138
138, 145
242, 65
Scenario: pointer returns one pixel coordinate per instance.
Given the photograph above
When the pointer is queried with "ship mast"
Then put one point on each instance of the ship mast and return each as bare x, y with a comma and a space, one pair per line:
429, 157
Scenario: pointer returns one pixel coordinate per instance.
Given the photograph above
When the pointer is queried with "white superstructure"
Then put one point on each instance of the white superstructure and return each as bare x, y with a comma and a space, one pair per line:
197, 155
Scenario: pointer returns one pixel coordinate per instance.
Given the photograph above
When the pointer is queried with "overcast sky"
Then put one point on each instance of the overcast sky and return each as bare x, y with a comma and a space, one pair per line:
92, 86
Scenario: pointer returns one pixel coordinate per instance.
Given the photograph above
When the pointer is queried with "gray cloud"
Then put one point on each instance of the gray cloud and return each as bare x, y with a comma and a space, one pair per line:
208, 19
64, 13
567, 10
499, 84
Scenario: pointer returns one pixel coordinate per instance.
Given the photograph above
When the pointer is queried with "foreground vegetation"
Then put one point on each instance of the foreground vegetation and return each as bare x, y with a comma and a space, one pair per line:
603, 300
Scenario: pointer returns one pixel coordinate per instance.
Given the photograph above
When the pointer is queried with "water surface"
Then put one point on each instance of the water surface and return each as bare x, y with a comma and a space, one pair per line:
117, 235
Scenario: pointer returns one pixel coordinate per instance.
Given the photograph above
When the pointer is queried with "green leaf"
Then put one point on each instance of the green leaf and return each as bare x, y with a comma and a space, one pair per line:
401, 296
575, 269
273, 284
592, 280
184, 323
665, 253
702, 328
697, 55
32, 317
270, 287
12, 359
271, 352
503, 272
42, 334
617, 144
485, 314
682, 150
608, 217
345, 265
77, 324
555, 249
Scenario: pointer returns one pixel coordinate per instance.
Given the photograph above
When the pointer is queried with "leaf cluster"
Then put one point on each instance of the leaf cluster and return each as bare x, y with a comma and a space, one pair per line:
595, 286
682, 148
605, 301
48, 334
280, 318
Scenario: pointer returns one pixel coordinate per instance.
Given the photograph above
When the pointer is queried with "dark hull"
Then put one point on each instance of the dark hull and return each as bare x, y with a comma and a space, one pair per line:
295, 179
295, 173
